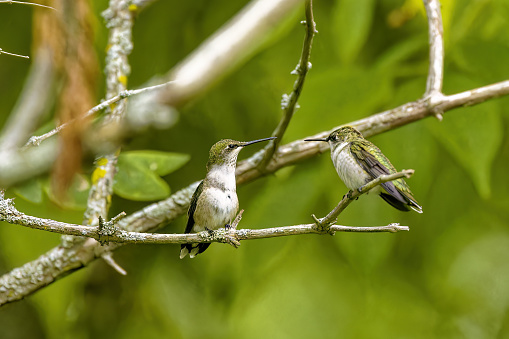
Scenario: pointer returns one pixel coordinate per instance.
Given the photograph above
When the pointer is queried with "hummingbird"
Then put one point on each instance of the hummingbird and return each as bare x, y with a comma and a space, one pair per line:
358, 161
214, 203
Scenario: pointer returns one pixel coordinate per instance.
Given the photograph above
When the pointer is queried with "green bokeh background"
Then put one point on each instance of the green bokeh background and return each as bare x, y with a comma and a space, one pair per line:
446, 278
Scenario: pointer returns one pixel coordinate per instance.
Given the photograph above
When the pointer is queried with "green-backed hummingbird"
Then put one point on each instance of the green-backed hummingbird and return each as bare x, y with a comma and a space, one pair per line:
214, 203
358, 161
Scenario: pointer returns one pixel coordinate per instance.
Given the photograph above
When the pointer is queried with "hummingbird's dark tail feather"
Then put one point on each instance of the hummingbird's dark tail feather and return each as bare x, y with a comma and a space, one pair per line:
192, 249
395, 202
405, 207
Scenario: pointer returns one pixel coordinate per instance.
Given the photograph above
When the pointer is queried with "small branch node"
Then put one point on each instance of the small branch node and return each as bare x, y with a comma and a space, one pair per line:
107, 228
323, 225
396, 227
118, 217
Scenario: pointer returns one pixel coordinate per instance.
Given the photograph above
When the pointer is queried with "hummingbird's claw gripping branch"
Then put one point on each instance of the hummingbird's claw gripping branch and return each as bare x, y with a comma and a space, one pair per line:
224, 235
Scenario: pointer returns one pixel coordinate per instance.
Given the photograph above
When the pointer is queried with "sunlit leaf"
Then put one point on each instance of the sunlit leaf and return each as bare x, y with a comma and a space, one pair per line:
162, 163
135, 181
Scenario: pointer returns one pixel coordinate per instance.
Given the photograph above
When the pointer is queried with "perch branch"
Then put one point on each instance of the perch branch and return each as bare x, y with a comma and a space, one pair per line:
112, 233
325, 223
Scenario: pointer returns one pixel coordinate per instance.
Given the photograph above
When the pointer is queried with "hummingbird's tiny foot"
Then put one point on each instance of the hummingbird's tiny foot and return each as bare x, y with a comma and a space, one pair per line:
231, 240
227, 227
349, 194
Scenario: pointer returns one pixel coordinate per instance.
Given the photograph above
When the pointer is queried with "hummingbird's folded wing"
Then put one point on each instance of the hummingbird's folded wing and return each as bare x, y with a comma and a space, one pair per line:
192, 208
376, 165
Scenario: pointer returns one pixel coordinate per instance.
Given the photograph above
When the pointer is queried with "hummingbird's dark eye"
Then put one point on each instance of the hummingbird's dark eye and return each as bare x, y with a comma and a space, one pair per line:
232, 146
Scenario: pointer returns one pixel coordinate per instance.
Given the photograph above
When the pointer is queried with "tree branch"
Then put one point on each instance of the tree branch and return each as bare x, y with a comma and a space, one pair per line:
225, 49
436, 55
108, 231
289, 102
32, 103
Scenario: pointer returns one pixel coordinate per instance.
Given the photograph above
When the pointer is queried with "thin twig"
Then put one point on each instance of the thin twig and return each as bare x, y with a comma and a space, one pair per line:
289, 102
25, 3
13, 54
36, 140
108, 258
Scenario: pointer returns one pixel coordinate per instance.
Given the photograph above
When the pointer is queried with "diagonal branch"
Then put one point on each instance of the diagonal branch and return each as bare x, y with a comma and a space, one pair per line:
289, 102
325, 223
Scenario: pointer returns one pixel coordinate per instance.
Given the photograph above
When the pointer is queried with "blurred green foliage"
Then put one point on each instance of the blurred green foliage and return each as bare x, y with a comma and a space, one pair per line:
446, 278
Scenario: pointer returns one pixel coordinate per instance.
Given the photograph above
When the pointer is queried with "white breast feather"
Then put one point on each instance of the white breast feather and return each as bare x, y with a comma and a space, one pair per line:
219, 205
347, 167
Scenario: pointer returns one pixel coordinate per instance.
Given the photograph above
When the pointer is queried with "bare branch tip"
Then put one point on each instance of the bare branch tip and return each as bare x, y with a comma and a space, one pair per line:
108, 258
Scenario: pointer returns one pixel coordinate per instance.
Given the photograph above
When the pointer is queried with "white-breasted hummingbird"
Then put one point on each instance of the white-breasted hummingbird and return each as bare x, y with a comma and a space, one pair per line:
214, 203
358, 161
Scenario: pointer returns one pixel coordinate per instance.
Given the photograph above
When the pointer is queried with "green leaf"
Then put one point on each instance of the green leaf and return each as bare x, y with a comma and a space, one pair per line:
136, 181
76, 196
30, 190
472, 135
352, 24
162, 163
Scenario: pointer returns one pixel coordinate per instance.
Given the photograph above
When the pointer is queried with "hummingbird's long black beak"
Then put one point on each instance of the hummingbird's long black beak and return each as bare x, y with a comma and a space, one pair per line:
322, 139
256, 141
